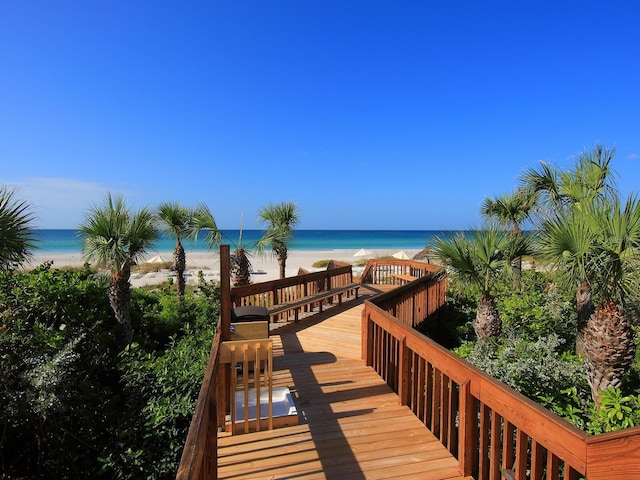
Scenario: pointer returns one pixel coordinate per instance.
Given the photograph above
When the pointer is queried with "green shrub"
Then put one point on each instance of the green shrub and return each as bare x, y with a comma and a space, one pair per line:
539, 369
617, 411
73, 406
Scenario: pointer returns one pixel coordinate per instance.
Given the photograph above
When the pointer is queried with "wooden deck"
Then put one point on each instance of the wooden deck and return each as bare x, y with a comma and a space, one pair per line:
351, 423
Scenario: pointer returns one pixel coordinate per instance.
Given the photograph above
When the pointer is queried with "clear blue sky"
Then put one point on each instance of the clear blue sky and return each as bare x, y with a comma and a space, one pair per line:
366, 114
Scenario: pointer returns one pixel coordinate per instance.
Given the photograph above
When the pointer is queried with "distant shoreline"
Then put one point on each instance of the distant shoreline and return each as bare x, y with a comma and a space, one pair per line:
209, 263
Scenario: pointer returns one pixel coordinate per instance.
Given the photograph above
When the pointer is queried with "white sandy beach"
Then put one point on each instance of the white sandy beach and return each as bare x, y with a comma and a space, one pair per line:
209, 263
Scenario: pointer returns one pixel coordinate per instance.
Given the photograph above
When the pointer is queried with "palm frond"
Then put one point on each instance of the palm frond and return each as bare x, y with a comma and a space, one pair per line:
203, 220
17, 239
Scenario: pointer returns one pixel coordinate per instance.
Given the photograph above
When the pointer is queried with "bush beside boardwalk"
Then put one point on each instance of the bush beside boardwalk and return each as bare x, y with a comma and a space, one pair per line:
76, 407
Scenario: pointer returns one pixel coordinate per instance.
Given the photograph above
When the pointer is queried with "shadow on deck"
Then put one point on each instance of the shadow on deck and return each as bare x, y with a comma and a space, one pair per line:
351, 423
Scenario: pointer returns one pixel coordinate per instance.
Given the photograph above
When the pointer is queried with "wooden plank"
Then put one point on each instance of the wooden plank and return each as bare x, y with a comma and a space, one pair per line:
406, 278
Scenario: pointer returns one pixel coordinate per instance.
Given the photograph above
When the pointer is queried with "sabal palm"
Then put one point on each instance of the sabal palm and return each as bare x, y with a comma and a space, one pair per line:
478, 259
17, 239
116, 238
281, 218
177, 221
597, 249
608, 337
510, 211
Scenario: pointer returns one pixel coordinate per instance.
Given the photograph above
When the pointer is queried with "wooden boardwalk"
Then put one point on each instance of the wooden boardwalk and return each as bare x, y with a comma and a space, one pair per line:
351, 425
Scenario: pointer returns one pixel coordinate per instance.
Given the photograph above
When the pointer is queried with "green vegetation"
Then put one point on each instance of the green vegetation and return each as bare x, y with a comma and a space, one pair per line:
74, 405
321, 264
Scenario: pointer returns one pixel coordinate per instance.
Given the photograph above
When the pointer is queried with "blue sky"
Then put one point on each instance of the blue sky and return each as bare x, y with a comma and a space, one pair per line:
366, 114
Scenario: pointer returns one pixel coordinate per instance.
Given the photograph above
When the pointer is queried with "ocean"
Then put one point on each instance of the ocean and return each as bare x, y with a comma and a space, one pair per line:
68, 241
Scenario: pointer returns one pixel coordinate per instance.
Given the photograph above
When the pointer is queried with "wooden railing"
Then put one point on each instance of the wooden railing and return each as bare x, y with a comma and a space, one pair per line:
389, 271
200, 455
288, 290
491, 429
413, 303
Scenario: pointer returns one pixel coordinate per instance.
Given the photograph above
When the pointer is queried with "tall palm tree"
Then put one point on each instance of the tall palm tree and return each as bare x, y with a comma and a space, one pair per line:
563, 195
478, 259
511, 210
282, 217
177, 221
17, 239
116, 238
598, 248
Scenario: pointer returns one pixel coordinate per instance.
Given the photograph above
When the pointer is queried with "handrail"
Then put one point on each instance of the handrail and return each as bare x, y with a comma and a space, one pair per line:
200, 455
276, 292
414, 302
381, 271
488, 426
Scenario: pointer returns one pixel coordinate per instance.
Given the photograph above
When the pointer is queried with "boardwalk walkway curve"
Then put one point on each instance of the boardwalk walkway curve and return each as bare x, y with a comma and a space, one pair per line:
351, 423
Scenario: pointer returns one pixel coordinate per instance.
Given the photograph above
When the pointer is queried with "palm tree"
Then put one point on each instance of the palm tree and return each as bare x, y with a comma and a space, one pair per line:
116, 238
597, 248
282, 218
16, 235
240, 264
563, 195
177, 221
478, 260
510, 211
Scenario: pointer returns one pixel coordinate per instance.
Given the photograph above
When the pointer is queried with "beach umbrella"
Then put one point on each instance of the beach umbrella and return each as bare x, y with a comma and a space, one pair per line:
362, 253
401, 255
156, 259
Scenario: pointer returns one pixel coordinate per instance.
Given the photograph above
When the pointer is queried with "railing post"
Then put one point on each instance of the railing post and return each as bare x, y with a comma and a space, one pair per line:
467, 436
367, 338
224, 376
403, 371
225, 293
210, 460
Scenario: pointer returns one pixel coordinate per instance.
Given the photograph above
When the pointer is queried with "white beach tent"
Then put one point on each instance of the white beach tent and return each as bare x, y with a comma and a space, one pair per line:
156, 259
401, 255
362, 253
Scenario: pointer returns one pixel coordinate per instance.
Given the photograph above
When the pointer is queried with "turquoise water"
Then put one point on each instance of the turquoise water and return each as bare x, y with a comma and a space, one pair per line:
68, 241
